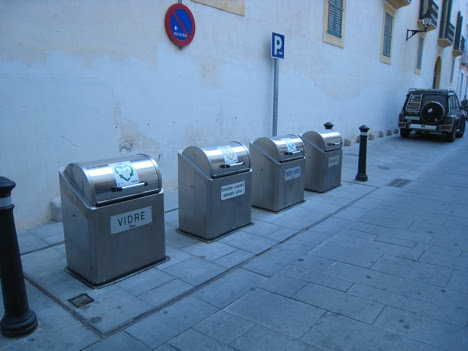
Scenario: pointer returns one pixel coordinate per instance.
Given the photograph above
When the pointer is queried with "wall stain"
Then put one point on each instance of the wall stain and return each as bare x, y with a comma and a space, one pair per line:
132, 139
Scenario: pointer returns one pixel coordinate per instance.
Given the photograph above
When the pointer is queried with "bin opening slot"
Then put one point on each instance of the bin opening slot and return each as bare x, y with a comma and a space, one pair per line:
289, 153
229, 165
122, 188
334, 144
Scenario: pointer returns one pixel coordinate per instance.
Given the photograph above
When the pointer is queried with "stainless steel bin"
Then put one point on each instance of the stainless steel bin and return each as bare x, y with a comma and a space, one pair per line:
214, 190
113, 217
278, 172
324, 159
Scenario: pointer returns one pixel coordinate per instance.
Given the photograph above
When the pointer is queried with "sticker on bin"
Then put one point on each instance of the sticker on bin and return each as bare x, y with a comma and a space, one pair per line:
124, 173
292, 173
232, 190
334, 161
229, 155
290, 145
130, 220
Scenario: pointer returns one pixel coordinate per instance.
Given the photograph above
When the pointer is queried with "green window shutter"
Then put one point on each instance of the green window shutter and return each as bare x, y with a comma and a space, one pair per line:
420, 52
387, 47
335, 17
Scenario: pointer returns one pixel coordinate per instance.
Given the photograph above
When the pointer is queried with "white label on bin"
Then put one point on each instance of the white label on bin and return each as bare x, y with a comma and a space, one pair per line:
232, 190
229, 155
130, 220
292, 173
290, 144
125, 174
334, 161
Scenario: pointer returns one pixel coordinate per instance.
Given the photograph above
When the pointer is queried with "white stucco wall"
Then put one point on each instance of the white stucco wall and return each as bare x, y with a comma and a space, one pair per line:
82, 80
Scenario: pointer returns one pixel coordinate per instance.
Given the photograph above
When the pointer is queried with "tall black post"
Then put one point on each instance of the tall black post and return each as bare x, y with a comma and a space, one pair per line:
18, 319
361, 174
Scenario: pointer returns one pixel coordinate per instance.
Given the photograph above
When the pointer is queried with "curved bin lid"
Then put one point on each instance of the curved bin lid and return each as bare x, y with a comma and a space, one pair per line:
112, 180
281, 148
326, 140
219, 160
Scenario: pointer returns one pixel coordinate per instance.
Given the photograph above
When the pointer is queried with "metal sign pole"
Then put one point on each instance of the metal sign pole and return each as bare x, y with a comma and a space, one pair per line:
275, 98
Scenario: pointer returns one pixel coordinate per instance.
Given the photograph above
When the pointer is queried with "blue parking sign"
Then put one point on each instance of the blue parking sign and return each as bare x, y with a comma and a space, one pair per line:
277, 46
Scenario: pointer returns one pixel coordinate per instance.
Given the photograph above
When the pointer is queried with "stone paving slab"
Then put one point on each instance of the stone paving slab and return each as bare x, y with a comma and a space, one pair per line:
276, 312
121, 341
335, 332
166, 292
260, 338
347, 254
57, 331
377, 295
410, 269
338, 302
111, 308
283, 285
193, 340
194, 270
224, 326
229, 288
424, 329
166, 324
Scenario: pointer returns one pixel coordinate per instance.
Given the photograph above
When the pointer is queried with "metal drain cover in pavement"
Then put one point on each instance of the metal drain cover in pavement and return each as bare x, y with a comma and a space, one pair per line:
399, 183
81, 300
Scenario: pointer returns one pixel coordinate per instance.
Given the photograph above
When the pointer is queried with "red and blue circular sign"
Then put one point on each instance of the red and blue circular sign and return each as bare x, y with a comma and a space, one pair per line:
180, 24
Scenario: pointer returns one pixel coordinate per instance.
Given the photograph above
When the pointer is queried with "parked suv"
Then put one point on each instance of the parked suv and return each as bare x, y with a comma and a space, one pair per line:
432, 111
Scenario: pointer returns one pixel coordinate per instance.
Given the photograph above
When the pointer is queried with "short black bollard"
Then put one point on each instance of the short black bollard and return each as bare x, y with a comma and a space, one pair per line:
18, 320
328, 125
361, 174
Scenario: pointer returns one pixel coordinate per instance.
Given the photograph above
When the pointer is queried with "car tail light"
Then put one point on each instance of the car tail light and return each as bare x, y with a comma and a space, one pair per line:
401, 117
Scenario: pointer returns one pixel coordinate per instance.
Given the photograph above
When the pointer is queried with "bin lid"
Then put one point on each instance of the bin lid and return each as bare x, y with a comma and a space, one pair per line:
281, 148
112, 180
219, 160
325, 140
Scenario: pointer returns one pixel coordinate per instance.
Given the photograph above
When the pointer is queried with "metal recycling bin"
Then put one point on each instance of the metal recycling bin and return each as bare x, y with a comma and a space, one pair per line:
324, 159
278, 172
214, 190
113, 217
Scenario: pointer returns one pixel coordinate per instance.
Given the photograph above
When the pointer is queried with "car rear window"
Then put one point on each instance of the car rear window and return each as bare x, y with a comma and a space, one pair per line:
414, 102
418, 100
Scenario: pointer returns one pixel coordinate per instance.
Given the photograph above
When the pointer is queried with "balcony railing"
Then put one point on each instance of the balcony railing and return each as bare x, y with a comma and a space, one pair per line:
464, 59
433, 11
399, 3
458, 46
446, 38
464, 53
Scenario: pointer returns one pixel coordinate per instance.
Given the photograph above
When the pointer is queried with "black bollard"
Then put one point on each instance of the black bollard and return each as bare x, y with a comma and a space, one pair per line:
18, 320
328, 125
361, 174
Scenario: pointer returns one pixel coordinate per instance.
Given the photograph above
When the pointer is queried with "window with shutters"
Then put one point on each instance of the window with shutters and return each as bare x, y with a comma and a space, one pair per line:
420, 54
334, 22
335, 14
387, 35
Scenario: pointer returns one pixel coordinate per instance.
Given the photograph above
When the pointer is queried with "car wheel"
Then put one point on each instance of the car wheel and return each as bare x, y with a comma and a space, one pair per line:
404, 133
452, 135
433, 112
462, 129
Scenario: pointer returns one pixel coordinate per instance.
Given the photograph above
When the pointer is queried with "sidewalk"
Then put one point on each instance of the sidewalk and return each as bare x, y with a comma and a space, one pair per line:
376, 265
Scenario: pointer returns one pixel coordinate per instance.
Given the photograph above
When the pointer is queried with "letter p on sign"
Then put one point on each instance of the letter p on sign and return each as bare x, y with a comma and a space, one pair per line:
277, 46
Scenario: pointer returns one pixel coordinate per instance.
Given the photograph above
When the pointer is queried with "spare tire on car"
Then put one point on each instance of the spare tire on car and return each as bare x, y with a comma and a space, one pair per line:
432, 112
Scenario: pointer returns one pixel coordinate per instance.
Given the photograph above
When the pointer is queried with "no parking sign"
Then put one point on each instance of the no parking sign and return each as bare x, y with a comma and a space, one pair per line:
180, 24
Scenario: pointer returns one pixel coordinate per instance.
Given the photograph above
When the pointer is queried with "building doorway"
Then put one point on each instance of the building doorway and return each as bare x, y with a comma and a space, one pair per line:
436, 80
